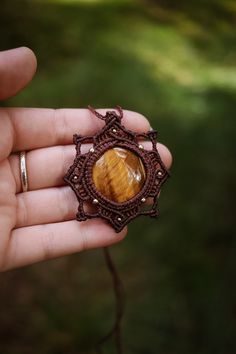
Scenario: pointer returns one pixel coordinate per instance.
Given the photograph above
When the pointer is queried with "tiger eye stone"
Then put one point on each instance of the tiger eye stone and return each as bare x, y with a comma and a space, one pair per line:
119, 174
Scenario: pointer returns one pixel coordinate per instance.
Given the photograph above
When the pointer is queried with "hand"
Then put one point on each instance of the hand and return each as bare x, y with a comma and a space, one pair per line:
40, 224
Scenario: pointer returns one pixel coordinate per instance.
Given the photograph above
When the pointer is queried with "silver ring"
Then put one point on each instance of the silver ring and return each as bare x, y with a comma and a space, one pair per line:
23, 171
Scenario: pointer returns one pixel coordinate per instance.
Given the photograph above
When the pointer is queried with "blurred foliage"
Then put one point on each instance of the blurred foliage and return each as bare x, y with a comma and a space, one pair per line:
175, 62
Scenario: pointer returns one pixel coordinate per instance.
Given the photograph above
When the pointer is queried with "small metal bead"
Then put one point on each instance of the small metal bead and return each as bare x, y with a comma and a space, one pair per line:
114, 130
95, 201
91, 150
159, 173
141, 146
75, 179
143, 200
119, 219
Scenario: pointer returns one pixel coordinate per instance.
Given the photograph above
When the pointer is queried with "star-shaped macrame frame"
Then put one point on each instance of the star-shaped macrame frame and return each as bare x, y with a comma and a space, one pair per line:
79, 175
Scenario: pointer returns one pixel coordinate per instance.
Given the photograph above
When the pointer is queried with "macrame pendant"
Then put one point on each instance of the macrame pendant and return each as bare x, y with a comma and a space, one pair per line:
117, 176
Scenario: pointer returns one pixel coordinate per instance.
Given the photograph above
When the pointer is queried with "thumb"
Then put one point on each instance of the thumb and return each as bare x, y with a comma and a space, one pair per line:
17, 68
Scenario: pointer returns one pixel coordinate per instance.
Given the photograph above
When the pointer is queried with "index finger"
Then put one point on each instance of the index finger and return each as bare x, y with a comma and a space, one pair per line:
36, 128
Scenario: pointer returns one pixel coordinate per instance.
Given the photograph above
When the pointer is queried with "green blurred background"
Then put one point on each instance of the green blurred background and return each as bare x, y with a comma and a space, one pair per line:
175, 62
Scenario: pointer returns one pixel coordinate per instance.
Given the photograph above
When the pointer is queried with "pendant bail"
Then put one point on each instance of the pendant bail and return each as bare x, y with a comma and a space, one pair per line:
110, 115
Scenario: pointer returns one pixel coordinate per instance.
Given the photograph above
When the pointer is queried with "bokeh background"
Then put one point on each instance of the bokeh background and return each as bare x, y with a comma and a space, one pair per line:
175, 62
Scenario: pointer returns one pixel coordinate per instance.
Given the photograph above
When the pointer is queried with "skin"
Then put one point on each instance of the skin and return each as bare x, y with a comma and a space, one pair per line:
40, 224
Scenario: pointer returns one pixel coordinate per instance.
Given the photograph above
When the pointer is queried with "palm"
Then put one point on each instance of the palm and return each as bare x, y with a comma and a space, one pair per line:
39, 224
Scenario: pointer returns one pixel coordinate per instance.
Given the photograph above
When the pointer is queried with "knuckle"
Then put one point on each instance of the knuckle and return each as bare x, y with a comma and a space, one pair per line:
22, 211
66, 203
59, 125
47, 242
84, 237
63, 203
8, 135
9, 255
15, 170
63, 160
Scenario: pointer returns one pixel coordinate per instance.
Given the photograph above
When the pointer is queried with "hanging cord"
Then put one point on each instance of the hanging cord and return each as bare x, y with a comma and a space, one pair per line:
100, 116
119, 297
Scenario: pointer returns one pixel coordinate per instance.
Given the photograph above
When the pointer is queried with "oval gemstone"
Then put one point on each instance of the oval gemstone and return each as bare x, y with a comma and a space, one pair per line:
119, 174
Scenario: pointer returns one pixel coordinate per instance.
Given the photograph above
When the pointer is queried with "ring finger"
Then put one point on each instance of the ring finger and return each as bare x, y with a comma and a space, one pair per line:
46, 167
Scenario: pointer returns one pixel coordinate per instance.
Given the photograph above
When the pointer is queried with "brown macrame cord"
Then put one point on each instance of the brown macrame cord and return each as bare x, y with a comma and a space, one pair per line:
80, 174
80, 179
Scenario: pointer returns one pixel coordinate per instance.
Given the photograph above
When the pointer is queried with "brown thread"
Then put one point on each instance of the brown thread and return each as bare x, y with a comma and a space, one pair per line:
119, 297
